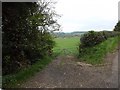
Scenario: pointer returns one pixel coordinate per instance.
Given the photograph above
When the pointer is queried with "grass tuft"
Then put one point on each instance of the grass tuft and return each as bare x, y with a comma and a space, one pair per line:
13, 81
96, 54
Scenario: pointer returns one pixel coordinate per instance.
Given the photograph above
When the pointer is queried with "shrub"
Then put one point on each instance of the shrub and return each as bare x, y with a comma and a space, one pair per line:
91, 38
109, 34
117, 27
26, 34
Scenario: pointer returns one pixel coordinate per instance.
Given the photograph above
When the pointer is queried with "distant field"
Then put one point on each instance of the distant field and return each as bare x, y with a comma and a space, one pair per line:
66, 45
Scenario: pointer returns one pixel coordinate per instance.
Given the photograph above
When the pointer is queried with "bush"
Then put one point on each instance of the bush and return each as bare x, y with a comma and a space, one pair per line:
117, 27
109, 34
92, 38
26, 34
95, 54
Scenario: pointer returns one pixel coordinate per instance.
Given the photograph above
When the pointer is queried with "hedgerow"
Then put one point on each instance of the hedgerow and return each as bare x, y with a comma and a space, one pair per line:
26, 34
93, 38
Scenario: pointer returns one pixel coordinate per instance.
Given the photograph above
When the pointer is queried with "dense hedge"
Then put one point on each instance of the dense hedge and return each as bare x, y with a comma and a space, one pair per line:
93, 38
26, 34
117, 27
109, 34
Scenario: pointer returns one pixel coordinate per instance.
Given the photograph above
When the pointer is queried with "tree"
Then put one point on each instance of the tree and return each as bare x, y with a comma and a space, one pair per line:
26, 34
117, 27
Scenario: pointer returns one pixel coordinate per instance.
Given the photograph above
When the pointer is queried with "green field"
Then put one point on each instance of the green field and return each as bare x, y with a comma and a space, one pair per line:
93, 55
68, 45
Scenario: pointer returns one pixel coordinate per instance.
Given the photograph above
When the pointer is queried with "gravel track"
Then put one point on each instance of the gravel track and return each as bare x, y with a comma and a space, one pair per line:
64, 72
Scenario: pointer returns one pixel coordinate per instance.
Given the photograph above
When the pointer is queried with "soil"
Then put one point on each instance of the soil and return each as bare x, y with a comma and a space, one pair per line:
68, 72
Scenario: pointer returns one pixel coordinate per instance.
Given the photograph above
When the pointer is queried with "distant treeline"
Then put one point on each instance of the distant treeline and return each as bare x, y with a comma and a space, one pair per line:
71, 34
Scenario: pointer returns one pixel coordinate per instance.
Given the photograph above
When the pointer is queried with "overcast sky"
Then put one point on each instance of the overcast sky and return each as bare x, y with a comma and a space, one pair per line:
85, 15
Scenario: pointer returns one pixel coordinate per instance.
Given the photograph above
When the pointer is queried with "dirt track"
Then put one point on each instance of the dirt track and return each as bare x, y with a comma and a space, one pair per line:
65, 72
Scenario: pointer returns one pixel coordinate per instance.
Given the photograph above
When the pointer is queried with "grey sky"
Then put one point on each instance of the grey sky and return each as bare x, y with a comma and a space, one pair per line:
84, 15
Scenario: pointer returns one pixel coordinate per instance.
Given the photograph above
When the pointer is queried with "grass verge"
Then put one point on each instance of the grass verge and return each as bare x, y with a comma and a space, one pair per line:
96, 54
14, 81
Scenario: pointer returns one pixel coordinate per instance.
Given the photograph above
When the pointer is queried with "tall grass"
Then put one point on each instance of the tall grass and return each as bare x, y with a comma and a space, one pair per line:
13, 81
96, 54
93, 55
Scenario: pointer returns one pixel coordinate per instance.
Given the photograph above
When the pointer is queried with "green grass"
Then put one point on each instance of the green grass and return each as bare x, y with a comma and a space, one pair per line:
93, 55
66, 45
13, 81
96, 54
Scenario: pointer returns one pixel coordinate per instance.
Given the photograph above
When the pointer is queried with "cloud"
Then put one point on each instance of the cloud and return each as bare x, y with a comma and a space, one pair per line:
87, 14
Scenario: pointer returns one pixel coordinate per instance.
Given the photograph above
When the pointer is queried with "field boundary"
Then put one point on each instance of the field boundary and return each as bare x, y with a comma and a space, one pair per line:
67, 51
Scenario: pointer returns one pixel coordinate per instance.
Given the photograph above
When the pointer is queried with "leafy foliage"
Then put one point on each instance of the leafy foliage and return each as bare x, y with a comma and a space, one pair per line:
15, 80
117, 27
108, 34
96, 54
27, 28
92, 38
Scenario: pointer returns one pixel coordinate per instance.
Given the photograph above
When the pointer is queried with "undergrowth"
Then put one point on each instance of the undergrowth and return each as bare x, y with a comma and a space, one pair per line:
96, 54
15, 80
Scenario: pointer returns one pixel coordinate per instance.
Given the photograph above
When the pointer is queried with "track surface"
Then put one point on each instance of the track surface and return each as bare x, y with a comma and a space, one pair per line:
65, 72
